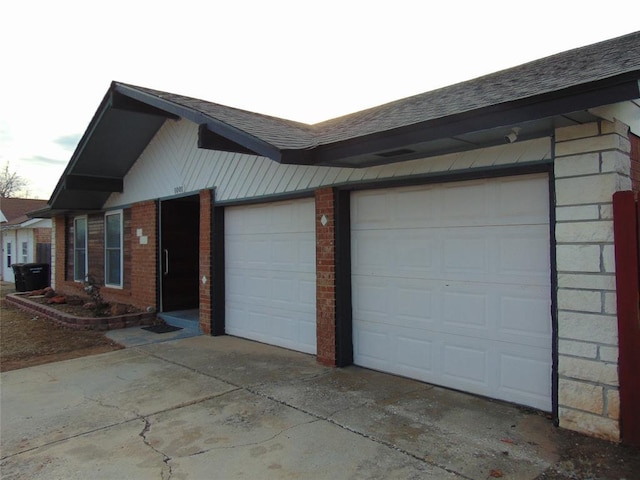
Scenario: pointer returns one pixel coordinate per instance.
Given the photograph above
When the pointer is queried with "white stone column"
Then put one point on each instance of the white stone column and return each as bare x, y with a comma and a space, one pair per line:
591, 164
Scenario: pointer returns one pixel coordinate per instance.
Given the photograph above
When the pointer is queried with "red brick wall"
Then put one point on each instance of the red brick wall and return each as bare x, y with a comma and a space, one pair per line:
60, 254
95, 246
325, 277
144, 257
635, 162
206, 205
42, 235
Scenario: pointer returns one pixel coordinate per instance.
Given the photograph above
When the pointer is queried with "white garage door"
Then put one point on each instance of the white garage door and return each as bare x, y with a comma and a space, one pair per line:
451, 285
270, 273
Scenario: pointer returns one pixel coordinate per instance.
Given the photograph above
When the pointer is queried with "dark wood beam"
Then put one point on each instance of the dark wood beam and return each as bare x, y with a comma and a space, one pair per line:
212, 141
122, 102
96, 184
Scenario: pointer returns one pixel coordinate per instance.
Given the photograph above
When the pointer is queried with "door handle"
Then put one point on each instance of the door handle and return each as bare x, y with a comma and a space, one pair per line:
166, 261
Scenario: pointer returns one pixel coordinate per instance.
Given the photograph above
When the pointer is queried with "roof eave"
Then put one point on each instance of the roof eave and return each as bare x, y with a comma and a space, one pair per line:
244, 140
495, 117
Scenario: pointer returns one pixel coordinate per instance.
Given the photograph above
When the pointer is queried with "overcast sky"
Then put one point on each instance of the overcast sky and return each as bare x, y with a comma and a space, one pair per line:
302, 60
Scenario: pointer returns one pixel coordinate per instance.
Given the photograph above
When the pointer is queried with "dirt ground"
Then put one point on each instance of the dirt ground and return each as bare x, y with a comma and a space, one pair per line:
27, 340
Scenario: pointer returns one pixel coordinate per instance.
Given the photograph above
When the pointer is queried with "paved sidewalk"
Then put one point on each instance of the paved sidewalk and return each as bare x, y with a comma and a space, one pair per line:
223, 407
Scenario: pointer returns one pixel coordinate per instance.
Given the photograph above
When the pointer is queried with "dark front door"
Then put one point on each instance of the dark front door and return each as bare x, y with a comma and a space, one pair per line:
179, 253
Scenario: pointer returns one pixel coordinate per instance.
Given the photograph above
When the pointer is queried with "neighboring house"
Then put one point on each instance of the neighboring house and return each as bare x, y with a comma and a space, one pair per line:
463, 237
23, 239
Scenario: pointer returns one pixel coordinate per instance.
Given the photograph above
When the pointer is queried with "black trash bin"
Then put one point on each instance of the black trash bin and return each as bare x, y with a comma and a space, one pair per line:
36, 276
18, 275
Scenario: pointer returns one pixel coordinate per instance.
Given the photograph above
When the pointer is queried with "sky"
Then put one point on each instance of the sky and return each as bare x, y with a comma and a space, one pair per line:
302, 60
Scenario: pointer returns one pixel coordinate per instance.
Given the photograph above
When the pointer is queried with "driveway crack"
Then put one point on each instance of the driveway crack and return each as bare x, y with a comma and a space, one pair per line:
253, 444
168, 471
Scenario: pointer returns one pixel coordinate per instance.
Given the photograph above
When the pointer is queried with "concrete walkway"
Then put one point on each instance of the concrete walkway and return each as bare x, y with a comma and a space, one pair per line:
221, 407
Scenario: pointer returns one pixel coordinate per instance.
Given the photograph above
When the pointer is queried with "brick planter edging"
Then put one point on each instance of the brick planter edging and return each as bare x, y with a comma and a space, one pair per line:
81, 323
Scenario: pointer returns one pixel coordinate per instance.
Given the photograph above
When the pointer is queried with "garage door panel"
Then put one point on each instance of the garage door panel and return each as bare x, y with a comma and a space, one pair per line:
495, 254
270, 273
366, 252
415, 305
372, 209
467, 204
449, 295
464, 310
307, 254
521, 202
415, 253
464, 253
465, 364
415, 356
523, 378
372, 344
306, 296
523, 251
520, 311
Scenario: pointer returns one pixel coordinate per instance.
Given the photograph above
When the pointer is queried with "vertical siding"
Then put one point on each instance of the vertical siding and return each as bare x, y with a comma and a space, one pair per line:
172, 162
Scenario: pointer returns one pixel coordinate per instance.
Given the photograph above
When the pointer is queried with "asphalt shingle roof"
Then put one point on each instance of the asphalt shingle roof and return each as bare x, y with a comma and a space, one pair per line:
15, 209
276, 131
567, 69
551, 74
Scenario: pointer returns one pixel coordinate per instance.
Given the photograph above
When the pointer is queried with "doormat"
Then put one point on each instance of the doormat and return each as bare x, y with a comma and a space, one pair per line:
161, 328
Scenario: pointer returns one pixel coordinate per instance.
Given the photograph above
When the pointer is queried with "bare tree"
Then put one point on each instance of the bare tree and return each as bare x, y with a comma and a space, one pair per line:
10, 182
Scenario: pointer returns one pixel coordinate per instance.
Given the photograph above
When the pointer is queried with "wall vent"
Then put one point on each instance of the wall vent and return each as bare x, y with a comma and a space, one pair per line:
395, 153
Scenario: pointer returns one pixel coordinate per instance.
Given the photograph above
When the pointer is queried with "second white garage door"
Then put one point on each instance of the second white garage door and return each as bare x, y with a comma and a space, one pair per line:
451, 285
270, 273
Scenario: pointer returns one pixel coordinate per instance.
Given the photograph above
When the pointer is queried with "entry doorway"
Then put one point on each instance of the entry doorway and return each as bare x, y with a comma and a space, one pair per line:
179, 253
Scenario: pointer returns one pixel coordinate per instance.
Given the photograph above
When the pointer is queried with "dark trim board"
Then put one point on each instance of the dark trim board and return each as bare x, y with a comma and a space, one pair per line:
157, 255
554, 291
343, 298
542, 166
218, 273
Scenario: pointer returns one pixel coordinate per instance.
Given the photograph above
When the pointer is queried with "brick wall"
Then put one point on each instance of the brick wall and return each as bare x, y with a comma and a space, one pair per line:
59, 252
143, 255
42, 235
205, 292
325, 277
591, 163
95, 246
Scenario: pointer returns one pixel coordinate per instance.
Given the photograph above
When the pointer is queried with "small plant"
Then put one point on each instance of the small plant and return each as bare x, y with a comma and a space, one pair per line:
92, 288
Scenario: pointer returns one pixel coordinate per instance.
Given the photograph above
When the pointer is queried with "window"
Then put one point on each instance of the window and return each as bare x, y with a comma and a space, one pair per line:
113, 249
25, 252
80, 249
8, 254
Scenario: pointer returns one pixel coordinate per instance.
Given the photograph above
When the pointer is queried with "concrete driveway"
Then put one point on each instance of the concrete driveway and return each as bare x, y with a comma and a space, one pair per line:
223, 407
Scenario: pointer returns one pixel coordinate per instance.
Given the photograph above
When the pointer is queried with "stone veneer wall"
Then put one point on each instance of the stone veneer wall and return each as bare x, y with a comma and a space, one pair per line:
591, 164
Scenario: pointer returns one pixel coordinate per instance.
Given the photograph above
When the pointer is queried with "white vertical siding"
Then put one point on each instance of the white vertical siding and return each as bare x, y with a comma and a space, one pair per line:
172, 162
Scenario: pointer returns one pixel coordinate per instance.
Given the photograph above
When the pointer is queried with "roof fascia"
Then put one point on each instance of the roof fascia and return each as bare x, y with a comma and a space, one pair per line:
123, 102
546, 105
41, 213
216, 126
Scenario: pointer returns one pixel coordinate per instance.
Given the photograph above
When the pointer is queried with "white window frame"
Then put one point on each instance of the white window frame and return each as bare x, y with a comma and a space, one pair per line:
86, 247
9, 253
24, 247
121, 248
